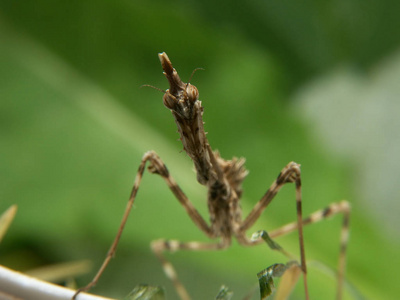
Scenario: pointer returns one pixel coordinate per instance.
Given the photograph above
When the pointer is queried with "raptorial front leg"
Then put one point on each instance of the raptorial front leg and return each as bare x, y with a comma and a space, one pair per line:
160, 246
290, 173
156, 166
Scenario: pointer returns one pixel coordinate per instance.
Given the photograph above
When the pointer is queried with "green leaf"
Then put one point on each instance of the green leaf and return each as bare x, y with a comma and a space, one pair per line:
146, 292
224, 294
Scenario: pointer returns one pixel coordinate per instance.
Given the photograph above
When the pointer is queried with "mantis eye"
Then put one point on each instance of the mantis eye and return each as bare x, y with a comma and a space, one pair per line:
169, 100
192, 93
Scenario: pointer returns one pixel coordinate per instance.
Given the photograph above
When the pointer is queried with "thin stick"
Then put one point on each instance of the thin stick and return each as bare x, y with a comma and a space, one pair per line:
20, 286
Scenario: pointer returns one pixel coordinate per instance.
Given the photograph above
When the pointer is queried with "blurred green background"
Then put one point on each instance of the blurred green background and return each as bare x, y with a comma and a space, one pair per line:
316, 82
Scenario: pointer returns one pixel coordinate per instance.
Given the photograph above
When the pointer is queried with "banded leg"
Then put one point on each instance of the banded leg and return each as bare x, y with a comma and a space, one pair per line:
159, 246
290, 173
342, 207
157, 167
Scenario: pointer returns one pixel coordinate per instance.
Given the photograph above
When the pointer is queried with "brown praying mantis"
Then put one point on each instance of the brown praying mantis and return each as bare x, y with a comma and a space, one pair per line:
223, 179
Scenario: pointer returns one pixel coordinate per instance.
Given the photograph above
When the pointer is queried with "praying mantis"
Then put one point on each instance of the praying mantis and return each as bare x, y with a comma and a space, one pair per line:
223, 179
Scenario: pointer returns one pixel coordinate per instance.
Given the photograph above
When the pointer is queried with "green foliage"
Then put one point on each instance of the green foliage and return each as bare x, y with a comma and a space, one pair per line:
266, 277
224, 294
146, 292
74, 125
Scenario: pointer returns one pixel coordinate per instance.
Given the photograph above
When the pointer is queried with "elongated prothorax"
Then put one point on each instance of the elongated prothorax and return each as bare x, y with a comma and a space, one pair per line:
183, 101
